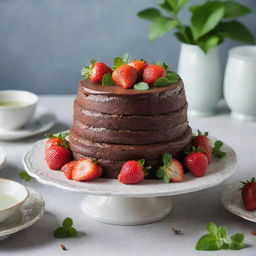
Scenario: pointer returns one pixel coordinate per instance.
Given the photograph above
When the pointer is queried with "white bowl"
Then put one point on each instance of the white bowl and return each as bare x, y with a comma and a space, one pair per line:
14, 117
12, 197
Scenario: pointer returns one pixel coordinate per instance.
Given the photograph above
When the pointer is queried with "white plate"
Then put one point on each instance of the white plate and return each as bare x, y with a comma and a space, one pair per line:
232, 200
31, 212
42, 121
218, 171
2, 158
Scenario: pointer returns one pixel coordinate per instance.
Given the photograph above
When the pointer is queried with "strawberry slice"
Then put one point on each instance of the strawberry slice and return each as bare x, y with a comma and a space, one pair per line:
68, 169
85, 170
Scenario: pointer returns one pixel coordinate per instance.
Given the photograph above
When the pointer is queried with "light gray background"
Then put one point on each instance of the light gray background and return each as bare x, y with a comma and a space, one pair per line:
44, 43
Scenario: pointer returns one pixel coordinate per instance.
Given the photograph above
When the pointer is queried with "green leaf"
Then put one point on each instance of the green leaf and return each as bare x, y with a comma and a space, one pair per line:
177, 4
234, 10
236, 31
25, 176
212, 228
141, 86
107, 80
166, 178
60, 232
192, 8
150, 14
208, 42
208, 243
216, 149
222, 232
85, 71
206, 17
166, 6
160, 172
167, 158
118, 61
141, 162
126, 57
68, 222
172, 77
160, 27
237, 241
71, 232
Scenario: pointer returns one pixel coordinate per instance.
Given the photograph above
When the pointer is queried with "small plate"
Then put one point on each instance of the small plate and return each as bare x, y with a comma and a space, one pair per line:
31, 212
2, 158
42, 121
232, 200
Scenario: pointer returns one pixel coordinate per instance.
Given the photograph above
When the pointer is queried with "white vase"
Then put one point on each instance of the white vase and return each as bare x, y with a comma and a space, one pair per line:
201, 74
240, 82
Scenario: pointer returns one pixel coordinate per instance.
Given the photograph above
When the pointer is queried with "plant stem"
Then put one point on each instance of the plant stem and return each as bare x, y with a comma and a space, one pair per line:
181, 27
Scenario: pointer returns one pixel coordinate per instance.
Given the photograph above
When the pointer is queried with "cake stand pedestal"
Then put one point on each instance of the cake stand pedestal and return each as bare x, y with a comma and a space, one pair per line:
111, 202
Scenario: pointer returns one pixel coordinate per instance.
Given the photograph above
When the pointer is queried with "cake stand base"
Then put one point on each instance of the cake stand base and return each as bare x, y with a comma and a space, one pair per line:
117, 210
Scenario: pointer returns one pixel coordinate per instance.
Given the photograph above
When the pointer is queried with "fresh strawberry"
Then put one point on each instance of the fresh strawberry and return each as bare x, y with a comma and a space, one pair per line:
59, 139
85, 170
96, 71
57, 155
202, 141
67, 169
139, 65
197, 163
125, 76
132, 172
249, 194
171, 170
152, 72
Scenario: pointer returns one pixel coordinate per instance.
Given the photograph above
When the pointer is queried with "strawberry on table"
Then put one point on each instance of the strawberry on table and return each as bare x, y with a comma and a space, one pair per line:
139, 65
202, 141
196, 162
86, 169
249, 194
152, 72
132, 172
96, 71
171, 170
67, 169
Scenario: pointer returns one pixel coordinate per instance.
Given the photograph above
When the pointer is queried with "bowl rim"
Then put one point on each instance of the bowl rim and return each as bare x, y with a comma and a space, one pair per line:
233, 53
20, 202
17, 92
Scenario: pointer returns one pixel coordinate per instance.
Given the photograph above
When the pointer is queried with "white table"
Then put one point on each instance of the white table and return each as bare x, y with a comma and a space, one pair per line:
191, 214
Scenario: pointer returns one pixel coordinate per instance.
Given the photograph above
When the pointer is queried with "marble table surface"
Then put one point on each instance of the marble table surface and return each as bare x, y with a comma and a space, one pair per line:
191, 211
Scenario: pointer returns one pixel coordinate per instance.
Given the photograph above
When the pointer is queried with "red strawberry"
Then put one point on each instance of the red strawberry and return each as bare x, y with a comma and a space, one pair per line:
171, 170
85, 170
67, 169
125, 76
96, 71
197, 163
139, 65
132, 172
57, 156
203, 142
249, 194
152, 72
59, 139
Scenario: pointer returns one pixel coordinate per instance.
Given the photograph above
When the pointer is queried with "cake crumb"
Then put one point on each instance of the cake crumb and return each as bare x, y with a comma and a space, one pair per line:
177, 231
63, 247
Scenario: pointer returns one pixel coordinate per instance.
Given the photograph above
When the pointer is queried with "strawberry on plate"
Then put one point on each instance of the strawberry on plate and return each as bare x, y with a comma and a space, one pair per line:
86, 169
96, 71
152, 72
202, 141
56, 140
171, 170
139, 65
67, 169
249, 194
196, 162
132, 172
125, 76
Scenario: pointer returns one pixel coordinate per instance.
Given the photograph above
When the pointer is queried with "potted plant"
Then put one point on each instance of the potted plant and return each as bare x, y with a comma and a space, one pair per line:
199, 64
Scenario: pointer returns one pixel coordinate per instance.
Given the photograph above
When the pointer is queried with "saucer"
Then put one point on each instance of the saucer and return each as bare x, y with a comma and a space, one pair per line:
31, 212
232, 200
2, 158
42, 121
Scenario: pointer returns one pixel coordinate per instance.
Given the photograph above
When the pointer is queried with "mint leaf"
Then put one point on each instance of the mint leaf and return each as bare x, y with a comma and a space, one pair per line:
172, 77
60, 232
25, 176
107, 80
216, 149
237, 241
118, 61
71, 232
141, 86
66, 230
162, 82
67, 222
150, 14
160, 172
222, 232
167, 158
208, 243
212, 228
234, 10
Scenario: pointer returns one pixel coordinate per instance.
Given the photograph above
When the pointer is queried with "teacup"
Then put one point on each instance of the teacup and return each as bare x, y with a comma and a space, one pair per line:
16, 108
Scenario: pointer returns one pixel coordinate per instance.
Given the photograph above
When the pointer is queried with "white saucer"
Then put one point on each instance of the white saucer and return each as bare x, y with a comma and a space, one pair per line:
31, 212
2, 158
232, 200
42, 121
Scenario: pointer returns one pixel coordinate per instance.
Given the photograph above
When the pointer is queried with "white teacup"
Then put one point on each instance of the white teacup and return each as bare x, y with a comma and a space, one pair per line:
16, 108
240, 82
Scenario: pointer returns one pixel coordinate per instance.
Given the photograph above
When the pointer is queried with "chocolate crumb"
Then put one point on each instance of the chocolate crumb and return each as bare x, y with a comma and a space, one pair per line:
177, 231
63, 247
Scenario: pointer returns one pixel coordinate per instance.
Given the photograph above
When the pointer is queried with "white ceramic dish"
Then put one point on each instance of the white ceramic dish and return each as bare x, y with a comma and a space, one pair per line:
14, 117
115, 203
42, 121
31, 211
2, 158
12, 196
232, 200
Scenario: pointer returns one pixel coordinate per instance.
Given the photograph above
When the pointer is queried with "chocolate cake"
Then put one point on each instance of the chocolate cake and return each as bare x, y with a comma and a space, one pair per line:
112, 124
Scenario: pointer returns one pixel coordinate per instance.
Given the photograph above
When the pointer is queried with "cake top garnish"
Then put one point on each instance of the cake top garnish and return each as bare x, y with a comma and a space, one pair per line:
128, 73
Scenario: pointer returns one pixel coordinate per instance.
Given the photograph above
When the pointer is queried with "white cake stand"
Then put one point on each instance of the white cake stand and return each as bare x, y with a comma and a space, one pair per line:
111, 202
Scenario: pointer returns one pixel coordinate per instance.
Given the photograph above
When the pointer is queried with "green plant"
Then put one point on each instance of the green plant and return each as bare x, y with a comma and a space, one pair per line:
210, 23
